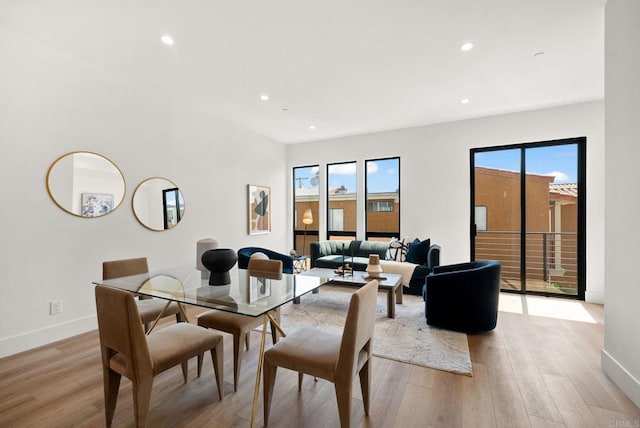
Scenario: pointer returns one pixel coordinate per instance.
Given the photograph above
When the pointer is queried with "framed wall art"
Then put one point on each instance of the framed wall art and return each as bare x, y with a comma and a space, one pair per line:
259, 209
96, 204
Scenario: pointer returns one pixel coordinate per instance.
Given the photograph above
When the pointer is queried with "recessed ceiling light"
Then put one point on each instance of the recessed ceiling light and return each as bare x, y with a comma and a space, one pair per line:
464, 101
312, 127
466, 47
167, 40
264, 97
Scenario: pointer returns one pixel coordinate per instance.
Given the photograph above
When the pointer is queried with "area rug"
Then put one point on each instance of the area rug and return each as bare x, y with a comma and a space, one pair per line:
405, 338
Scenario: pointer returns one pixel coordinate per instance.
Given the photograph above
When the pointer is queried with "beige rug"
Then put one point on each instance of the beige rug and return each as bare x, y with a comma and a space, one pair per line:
406, 338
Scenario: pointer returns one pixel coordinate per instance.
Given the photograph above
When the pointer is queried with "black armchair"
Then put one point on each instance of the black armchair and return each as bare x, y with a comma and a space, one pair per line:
463, 297
244, 254
420, 273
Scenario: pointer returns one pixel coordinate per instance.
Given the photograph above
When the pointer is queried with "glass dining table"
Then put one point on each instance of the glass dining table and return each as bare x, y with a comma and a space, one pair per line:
249, 295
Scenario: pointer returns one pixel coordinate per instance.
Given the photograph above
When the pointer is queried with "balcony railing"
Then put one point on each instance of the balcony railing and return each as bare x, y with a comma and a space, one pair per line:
551, 259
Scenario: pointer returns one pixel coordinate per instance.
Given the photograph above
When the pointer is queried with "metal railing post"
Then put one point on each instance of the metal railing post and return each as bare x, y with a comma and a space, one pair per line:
544, 257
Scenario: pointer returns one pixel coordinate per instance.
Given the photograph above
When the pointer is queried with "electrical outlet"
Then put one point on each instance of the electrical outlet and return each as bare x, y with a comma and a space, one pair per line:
55, 307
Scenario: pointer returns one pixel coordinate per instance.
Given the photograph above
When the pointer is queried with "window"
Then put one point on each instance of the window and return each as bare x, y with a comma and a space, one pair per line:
383, 198
306, 196
336, 219
379, 206
380, 202
341, 195
481, 218
173, 207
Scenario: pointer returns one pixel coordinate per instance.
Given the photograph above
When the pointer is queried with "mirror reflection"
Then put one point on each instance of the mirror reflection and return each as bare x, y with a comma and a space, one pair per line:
158, 204
85, 184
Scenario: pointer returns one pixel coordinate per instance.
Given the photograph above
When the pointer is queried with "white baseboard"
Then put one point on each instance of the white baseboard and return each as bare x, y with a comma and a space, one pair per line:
33, 339
591, 297
621, 377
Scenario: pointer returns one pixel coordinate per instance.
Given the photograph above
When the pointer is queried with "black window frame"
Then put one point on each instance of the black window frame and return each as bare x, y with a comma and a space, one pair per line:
375, 234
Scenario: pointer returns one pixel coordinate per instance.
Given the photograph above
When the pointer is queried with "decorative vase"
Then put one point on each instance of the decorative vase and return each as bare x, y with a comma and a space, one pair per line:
201, 246
373, 268
219, 261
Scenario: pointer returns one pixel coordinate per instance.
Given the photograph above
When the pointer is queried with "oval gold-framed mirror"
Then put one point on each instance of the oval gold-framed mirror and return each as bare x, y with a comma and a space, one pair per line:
85, 184
158, 204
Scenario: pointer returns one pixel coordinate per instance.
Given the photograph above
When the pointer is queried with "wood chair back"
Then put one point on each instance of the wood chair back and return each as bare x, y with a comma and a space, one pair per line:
358, 331
121, 332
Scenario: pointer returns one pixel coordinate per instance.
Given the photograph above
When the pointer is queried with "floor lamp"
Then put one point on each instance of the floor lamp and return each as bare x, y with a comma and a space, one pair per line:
307, 219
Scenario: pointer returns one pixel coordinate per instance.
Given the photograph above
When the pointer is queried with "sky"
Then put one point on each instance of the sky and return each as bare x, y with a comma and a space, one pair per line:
560, 161
382, 176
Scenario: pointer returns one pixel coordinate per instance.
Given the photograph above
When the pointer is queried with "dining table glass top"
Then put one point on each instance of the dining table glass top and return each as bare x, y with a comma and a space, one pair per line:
246, 294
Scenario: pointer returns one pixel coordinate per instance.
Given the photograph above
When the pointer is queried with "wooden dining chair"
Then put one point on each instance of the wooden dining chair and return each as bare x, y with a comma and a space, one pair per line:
127, 351
330, 356
149, 308
241, 325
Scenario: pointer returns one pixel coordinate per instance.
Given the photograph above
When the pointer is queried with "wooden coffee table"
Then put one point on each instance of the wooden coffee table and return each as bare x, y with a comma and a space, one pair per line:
390, 282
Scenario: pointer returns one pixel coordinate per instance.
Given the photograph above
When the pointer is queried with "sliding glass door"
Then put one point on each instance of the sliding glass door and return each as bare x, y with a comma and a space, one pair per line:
528, 212
497, 212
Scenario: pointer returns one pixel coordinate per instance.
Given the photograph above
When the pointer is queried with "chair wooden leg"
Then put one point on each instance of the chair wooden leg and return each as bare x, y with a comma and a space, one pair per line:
200, 358
185, 370
268, 381
111, 387
217, 356
365, 385
141, 400
300, 376
274, 330
238, 351
343, 396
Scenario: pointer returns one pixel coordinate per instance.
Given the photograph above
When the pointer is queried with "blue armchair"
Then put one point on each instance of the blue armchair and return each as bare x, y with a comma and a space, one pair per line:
245, 253
463, 297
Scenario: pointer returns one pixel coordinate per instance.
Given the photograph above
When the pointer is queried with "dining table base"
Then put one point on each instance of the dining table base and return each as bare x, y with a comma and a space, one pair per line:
267, 318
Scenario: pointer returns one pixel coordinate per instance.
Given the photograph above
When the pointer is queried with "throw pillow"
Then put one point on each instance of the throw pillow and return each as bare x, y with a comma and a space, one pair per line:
397, 249
418, 251
259, 255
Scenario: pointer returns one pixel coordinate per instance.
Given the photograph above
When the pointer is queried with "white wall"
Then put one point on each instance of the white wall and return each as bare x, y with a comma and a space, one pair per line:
51, 104
434, 165
620, 356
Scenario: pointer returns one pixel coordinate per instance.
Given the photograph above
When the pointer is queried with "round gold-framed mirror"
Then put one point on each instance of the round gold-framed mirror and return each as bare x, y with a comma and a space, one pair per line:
158, 204
85, 184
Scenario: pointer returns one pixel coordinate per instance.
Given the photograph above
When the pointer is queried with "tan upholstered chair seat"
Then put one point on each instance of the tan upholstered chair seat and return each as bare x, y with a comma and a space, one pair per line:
229, 322
171, 345
310, 351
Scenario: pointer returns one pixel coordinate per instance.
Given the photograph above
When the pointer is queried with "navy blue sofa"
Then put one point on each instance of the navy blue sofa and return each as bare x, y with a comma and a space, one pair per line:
463, 297
332, 255
245, 253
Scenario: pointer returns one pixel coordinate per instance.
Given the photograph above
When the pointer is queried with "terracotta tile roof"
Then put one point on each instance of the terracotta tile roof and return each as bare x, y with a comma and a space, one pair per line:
567, 189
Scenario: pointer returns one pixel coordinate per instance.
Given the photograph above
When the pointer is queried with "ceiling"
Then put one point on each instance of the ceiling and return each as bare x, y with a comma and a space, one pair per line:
344, 66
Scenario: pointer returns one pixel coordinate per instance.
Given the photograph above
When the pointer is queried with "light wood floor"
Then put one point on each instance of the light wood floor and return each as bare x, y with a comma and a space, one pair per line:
532, 371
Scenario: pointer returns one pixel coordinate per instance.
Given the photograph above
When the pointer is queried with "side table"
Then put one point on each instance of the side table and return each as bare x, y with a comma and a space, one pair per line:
300, 264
